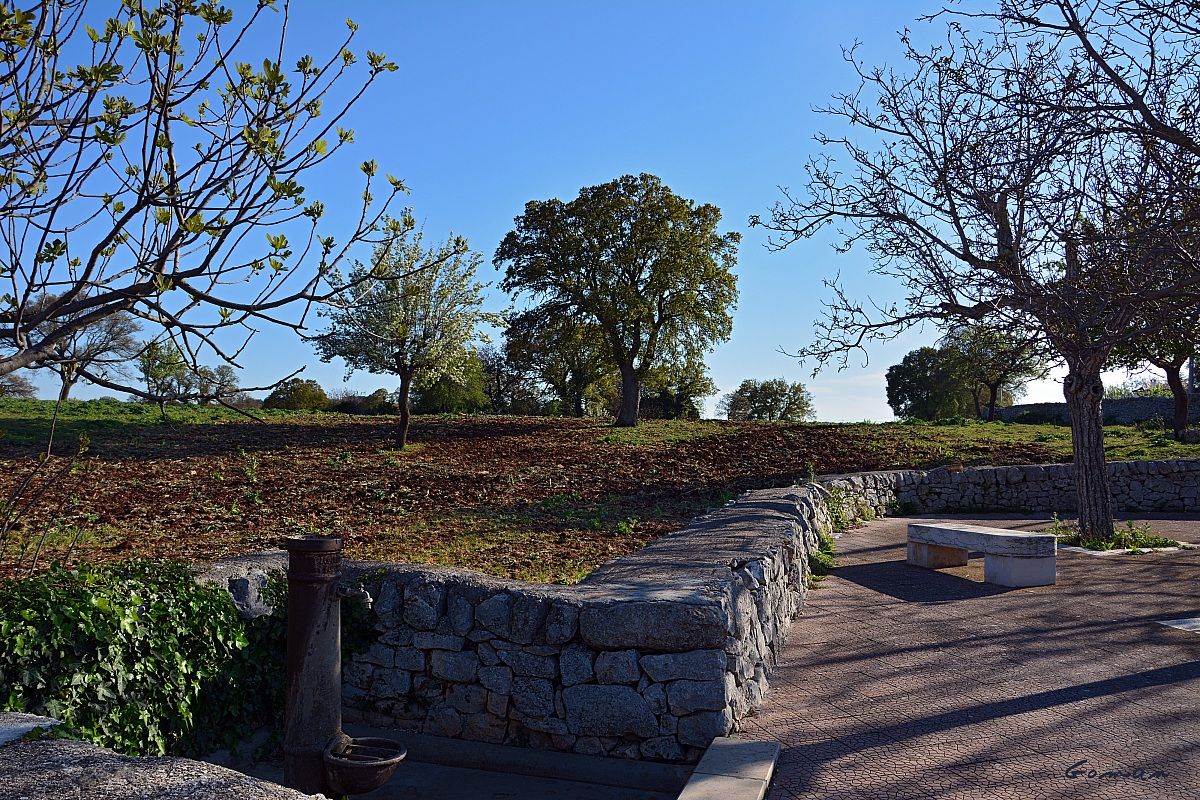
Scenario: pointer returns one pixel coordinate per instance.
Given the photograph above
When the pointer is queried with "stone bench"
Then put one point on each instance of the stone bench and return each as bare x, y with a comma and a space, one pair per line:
1010, 558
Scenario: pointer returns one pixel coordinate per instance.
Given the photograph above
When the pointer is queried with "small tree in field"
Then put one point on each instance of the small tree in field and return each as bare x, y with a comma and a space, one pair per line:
774, 401
647, 267
996, 359
414, 319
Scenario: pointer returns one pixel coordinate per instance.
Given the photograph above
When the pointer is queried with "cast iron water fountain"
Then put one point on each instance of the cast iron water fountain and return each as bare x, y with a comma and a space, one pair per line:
317, 755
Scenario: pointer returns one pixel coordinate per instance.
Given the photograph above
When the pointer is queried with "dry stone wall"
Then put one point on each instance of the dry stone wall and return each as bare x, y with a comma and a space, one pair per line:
651, 656
656, 653
1117, 411
1172, 485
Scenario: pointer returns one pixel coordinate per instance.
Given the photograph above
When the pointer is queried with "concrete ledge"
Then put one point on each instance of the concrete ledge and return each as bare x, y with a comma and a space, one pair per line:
732, 769
1190, 625
993, 541
15, 725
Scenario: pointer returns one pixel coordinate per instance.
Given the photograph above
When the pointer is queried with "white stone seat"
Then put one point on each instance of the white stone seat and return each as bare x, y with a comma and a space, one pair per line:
1010, 558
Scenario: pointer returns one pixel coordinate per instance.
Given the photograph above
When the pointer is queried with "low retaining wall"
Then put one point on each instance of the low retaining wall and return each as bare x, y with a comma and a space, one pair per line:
1117, 411
656, 653
651, 656
1136, 486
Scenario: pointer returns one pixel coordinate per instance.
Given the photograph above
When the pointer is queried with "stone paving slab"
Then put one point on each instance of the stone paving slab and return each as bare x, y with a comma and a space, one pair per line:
900, 682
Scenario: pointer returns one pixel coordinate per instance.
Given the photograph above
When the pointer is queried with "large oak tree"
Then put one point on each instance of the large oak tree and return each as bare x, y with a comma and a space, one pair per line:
647, 267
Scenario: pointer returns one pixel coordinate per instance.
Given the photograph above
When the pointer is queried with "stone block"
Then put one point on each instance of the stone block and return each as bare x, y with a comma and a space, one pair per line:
467, 698
497, 704
496, 679
617, 667
528, 614
391, 683
594, 710
425, 640
575, 665
698, 730
410, 658
443, 721
485, 727
423, 605
562, 623
653, 625
662, 748
533, 697
698, 665
495, 614
1019, 572
686, 697
523, 663
457, 667
933, 556
460, 614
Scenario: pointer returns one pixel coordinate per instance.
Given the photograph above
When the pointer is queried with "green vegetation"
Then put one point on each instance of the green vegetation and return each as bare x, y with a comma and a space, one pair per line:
138, 657
664, 431
821, 560
1131, 537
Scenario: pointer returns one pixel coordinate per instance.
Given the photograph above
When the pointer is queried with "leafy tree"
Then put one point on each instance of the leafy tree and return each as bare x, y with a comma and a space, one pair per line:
298, 394
415, 320
152, 168
15, 384
564, 353
773, 401
104, 349
644, 265
164, 371
998, 360
509, 384
930, 383
970, 183
676, 391
464, 394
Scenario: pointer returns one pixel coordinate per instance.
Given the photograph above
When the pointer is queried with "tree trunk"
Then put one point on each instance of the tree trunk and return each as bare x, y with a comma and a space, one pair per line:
1084, 392
405, 415
65, 391
993, 394
631, 396
1179, 391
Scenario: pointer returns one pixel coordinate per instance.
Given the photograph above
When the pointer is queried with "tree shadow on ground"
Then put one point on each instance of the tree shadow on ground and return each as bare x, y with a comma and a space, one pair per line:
901, 580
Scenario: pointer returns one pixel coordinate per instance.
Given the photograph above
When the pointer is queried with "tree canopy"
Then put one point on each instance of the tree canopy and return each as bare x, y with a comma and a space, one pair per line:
414, 318
153, 164
773, 400
645, 266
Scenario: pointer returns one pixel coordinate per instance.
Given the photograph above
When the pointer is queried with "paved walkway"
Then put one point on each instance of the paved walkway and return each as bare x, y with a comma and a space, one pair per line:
900, 682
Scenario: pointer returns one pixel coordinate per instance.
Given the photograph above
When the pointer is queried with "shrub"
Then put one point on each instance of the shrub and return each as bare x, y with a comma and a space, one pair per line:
299, 395
820, 561
138, 657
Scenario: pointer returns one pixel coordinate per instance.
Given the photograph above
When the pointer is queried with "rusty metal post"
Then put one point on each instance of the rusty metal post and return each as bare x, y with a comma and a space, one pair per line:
313, 714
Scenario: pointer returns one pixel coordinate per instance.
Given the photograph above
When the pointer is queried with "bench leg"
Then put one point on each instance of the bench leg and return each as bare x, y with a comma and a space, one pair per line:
936, 556
1019, 572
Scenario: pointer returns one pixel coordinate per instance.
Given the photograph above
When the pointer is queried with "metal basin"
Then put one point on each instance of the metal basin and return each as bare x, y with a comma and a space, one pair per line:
357, 766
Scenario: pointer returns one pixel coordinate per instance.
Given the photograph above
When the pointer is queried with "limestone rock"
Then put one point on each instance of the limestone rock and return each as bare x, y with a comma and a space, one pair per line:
594, 710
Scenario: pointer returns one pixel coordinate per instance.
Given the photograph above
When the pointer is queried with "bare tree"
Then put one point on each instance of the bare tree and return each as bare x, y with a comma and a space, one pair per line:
160, 175
983, 204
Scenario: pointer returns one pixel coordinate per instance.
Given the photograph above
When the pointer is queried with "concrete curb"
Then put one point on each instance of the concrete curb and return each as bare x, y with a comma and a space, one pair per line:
733, 769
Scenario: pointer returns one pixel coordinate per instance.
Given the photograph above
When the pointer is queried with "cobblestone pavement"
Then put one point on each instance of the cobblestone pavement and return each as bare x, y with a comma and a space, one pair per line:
900, 682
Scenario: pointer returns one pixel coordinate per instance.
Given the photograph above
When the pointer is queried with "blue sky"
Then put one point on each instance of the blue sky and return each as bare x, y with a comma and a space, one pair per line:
495, 104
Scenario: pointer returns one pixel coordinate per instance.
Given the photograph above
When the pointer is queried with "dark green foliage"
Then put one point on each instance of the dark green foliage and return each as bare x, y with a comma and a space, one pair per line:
298, 394
929, 384
820, 561
455, 395
773, 401
138, 657
379, 401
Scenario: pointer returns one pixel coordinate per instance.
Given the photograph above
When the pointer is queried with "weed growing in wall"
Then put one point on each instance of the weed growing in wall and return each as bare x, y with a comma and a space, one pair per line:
820, 561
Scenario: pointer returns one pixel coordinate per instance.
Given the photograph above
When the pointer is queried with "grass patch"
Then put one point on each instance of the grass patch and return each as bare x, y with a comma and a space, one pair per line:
821, 561
1131, 537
